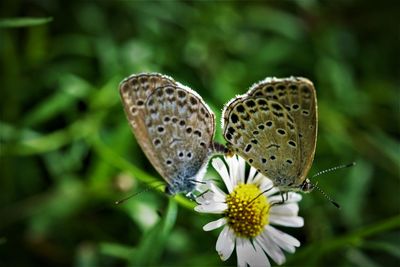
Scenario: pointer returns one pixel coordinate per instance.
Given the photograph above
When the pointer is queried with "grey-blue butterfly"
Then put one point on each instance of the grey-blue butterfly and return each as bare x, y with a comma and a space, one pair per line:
173, 126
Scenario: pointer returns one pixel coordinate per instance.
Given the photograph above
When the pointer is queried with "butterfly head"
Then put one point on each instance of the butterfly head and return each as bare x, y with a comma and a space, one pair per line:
306, 186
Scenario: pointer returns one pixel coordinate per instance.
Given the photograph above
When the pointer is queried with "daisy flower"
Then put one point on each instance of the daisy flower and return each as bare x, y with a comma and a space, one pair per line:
248, 215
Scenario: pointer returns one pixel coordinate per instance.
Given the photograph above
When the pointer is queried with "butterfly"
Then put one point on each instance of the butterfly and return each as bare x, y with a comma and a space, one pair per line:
174, 127
274, 128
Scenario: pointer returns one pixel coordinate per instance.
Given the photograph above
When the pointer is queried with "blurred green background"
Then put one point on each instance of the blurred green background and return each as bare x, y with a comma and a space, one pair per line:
67, 152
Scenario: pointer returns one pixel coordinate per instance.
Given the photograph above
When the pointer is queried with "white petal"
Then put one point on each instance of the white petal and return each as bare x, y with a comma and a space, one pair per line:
271, 248
220, 167
290, 221
205, 198
258, 258
292, 197
219, 195
250, 253
285, 241
216, 208
225, 243
275, 198
252, 173
233, 168
289, 209
241, 170
214, 224
264, 182
241, 252
212, 194
269, 187
268, 190
259, 177
201, 188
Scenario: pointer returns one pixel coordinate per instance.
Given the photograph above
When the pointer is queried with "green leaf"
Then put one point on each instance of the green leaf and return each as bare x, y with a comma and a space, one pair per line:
360, 259
384, 246
23, 22
153, 243
72, 89
117, 250
353, 239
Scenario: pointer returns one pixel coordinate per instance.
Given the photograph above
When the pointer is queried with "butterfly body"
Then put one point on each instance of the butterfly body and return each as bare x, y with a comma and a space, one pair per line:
274, 128
173, 126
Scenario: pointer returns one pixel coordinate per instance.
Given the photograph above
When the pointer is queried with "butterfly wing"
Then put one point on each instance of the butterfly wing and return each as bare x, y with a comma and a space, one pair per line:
268, 128
172, 124
263, 133
299, 98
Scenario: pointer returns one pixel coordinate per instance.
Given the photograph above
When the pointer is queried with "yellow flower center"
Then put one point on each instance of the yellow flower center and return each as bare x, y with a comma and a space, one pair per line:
247, 211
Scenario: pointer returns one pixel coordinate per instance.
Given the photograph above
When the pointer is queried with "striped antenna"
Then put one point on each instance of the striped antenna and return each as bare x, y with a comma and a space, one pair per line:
334, 169
327, 197
326, 171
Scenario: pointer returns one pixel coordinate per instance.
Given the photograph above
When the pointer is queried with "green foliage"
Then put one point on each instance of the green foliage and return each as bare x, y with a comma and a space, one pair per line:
23, 22
67, 153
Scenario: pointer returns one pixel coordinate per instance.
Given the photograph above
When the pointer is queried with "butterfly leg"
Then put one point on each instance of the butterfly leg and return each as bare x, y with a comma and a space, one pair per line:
283, 196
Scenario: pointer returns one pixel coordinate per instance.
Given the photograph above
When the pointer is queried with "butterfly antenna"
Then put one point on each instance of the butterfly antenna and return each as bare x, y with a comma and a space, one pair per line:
326, 196
326, 171
260, 194
334, 169
137, 193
